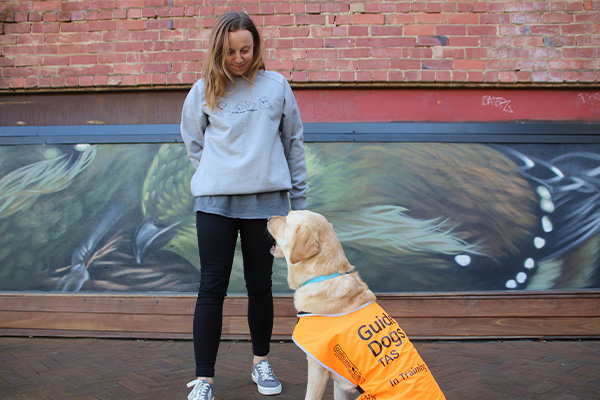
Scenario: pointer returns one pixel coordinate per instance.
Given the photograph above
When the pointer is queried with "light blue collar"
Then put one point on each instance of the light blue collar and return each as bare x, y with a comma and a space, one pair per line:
324, 278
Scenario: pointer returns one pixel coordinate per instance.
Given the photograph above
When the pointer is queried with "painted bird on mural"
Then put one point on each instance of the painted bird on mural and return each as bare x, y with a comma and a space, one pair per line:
411, 216
97, 210
102, 260
58, 225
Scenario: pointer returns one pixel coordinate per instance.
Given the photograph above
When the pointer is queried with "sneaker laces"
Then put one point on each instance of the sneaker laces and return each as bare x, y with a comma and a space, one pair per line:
264, 368
201, 388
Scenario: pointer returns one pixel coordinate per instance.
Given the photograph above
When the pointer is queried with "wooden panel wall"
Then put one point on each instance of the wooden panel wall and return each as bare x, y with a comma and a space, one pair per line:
439, 316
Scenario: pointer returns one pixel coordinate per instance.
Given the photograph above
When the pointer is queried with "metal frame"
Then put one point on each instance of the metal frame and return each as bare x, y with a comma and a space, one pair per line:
466, 132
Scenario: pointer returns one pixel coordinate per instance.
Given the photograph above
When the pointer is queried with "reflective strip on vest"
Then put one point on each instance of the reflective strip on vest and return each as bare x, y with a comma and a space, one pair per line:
368, 349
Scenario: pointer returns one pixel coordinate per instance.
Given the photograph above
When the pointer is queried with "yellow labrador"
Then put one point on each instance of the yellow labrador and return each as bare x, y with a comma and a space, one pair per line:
345, 334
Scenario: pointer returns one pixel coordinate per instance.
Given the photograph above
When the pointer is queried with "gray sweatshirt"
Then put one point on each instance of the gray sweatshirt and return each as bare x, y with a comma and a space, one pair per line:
253, 144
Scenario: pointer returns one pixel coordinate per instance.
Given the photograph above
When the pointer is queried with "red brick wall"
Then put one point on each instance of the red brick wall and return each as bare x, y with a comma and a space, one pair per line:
125, 43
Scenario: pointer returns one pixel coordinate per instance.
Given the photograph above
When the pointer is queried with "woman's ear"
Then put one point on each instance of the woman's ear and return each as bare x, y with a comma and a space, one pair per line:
306, 244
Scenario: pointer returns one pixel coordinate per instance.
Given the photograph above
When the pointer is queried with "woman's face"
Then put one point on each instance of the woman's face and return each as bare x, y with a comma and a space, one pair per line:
241, 52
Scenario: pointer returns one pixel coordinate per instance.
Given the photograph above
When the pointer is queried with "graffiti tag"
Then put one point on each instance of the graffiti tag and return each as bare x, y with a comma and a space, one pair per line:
590, 98
497, 101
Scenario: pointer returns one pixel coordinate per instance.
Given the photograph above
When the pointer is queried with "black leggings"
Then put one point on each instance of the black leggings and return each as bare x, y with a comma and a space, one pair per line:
217, 237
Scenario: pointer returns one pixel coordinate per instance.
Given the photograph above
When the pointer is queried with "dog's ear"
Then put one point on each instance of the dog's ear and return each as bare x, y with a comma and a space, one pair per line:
306, 244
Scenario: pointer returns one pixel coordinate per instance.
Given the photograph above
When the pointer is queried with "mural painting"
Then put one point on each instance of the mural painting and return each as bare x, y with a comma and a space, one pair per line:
412, 217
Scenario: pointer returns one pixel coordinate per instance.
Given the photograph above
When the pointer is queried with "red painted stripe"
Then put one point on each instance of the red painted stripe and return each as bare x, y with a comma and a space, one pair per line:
447, 105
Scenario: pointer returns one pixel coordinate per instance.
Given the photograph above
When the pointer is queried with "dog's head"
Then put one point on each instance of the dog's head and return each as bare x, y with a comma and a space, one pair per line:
309, 244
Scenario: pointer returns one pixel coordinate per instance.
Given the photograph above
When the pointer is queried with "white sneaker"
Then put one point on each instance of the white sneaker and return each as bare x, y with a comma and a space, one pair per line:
263, 376
202, 390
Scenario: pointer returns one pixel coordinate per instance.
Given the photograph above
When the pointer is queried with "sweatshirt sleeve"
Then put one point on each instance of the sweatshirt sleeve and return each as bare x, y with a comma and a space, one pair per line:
292, 136
193, 123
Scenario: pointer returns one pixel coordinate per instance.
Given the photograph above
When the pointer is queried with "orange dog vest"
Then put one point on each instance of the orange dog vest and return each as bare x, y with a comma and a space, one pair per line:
368, 349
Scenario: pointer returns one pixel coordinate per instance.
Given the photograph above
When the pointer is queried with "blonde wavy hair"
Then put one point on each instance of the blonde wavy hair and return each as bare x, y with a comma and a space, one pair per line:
214, 72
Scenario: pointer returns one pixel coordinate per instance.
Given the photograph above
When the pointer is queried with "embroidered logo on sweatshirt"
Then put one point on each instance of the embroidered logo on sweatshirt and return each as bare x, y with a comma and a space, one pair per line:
247, 106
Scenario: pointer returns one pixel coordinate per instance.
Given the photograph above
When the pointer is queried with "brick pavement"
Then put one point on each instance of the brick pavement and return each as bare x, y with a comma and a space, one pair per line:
82, 369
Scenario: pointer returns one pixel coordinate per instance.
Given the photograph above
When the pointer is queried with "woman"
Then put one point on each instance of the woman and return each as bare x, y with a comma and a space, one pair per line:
243, 133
